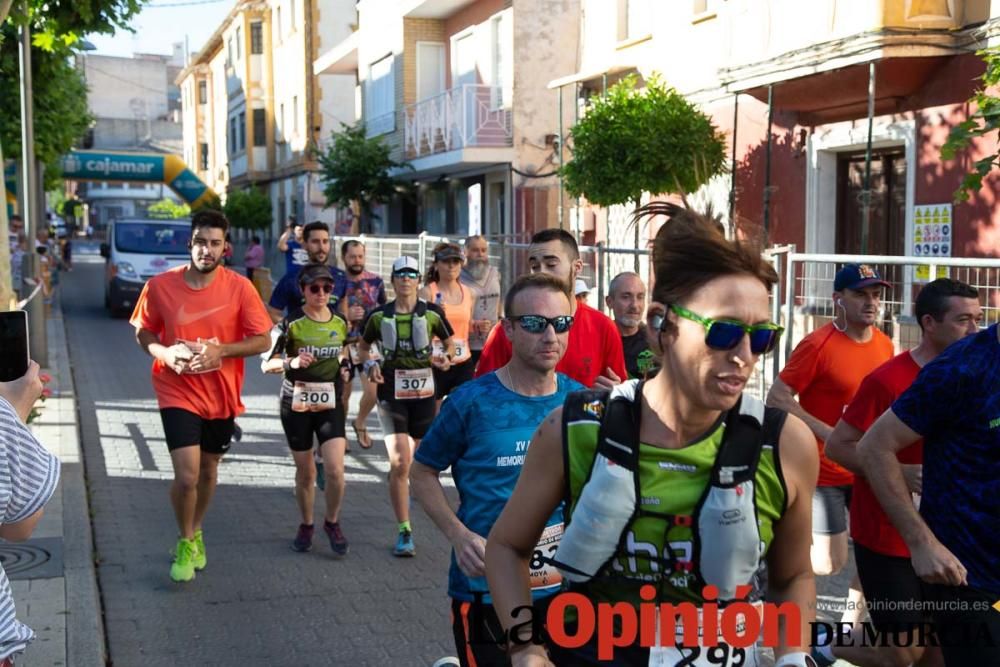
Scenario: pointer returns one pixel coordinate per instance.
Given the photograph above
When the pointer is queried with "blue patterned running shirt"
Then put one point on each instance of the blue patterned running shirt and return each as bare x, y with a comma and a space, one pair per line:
955, 405
483, 432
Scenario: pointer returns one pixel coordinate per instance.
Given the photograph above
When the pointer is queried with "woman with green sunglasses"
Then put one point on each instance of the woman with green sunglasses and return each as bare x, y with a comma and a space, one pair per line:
648, 475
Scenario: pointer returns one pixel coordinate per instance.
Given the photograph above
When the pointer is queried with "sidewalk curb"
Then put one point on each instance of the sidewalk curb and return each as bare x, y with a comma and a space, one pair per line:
85, 639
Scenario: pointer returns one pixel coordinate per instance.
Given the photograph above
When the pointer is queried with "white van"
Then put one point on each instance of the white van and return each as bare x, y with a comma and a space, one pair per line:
137, 250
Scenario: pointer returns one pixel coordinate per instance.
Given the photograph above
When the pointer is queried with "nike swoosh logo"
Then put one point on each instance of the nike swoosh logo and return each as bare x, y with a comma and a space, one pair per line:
184, 317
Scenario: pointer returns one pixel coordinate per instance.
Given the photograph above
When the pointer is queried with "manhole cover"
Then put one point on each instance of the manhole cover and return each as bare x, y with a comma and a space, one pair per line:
40, 558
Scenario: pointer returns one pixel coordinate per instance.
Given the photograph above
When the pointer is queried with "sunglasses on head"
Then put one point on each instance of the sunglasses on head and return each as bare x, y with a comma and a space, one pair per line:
412, 275
537, 323
325, 288
727, 334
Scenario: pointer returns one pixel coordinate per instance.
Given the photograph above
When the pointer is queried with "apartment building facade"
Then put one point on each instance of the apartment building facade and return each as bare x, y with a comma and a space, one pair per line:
804, 69
458, 89
134, 104
253, 112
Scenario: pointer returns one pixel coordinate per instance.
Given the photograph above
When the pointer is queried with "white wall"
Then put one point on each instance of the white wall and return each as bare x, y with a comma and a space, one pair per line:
126, 87
336, 99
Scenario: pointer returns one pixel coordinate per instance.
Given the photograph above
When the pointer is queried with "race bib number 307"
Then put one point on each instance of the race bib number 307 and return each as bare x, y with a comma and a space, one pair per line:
413, 384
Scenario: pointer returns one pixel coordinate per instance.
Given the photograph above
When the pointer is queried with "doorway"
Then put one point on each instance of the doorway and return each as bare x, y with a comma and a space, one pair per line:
887, 212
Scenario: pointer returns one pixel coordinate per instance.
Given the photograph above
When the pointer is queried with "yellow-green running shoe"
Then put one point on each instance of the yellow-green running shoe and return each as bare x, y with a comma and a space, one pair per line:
182, 569
200, 558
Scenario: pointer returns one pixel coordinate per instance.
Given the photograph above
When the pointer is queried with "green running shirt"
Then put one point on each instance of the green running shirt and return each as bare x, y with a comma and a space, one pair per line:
324, 340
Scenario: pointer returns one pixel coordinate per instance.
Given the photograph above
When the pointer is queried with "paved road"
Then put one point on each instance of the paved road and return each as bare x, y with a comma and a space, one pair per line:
257, 602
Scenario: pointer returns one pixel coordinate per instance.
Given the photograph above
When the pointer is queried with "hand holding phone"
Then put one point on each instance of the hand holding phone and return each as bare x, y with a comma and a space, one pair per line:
13, 345
23, 391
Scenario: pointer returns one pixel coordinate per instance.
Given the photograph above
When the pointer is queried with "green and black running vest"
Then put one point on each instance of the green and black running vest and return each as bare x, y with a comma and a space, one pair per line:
702, 514
418, 334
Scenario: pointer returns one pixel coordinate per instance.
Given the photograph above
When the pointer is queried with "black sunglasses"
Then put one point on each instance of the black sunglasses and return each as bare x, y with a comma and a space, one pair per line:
412, 275
326, 288
536, 324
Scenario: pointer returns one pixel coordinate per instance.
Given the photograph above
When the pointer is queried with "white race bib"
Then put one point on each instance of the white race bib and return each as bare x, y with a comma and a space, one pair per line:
543, 573
462, 352
314, 396
196, 347
721, 655
413, 384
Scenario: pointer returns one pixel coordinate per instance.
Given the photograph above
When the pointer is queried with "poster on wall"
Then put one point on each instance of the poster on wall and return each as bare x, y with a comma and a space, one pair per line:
932, 232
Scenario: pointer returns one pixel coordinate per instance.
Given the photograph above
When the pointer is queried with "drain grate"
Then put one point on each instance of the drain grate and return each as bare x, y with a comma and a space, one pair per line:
40, 558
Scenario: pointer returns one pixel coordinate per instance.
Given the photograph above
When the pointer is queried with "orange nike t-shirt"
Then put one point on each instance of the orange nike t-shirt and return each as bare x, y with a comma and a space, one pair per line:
228, 310
825, 370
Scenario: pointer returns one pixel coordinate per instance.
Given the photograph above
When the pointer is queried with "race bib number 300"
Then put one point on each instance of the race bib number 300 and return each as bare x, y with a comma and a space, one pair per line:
314, 396
413, 384
543, 573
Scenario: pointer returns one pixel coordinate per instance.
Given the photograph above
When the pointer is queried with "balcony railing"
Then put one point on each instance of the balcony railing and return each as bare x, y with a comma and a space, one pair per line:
465, 116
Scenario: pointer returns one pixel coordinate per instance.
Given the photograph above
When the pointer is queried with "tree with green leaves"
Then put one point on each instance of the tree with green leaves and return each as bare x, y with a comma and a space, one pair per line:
248, 209
984, 121
168, 208
56, 25
355, 169
636, 140
62, 22
60, 95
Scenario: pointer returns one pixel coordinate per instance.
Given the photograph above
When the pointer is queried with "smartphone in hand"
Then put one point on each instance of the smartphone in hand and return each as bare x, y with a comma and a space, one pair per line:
13, 345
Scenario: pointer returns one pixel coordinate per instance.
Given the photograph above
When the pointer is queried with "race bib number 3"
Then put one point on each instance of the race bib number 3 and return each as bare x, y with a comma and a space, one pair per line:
412, 384
544, 574
314, 396
462, 352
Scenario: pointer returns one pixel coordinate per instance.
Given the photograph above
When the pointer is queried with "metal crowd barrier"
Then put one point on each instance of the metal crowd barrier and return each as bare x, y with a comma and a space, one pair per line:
801, 301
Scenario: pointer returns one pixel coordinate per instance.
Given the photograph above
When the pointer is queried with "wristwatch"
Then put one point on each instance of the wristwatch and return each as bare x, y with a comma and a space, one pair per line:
800, 659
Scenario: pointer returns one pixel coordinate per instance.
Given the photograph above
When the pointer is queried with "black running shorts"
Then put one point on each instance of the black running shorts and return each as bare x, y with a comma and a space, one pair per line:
891, 590
186, 429
412, 417
300, 427
447, 381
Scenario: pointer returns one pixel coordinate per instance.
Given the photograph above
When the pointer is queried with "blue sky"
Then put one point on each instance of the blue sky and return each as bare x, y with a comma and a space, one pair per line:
163, 22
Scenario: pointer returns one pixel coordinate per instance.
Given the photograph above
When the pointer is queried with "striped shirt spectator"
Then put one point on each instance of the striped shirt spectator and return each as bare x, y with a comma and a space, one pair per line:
28, 477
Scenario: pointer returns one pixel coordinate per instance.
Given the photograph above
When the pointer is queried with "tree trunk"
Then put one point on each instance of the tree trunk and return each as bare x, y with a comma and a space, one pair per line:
6, 289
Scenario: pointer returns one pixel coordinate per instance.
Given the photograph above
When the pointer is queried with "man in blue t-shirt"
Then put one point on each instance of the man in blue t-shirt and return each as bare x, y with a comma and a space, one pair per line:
287, 295
482, 433
954, 540
290, 243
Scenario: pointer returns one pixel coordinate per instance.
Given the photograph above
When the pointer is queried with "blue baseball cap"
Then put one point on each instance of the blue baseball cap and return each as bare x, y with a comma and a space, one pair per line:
857, 276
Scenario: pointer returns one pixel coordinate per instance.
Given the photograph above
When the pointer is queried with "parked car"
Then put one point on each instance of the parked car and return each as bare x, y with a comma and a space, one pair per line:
137, 250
